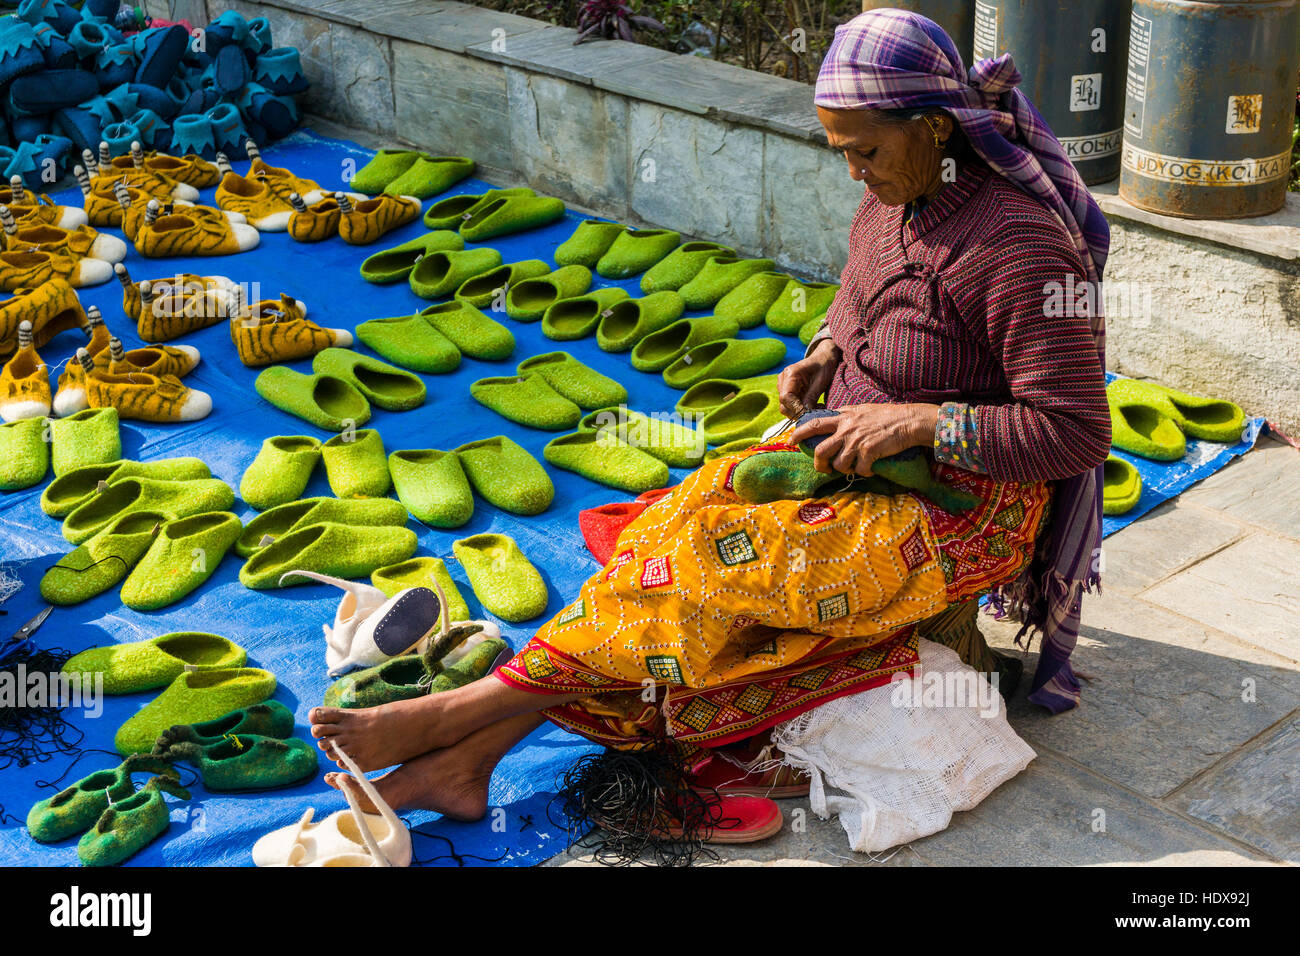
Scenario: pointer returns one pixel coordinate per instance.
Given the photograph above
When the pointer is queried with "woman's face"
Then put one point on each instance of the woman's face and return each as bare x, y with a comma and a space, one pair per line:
899, 163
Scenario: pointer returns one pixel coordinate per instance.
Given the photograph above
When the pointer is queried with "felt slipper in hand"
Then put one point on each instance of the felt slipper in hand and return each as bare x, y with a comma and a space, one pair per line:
385, 166
430, 175
338, 550
677, 446
355, 464
184, 553
432, 486
797, 303
601, 526
177, 499
75, 809
1121, 486
681, 265
239, 762
506, 475
489, 289
779, 475
285, 519
269, 719
657, 351
280, 471
627, 322
74, 487
423, 572
1141, 425
577, 317
719, 276
748, 416
24, 454
505, 215
473, 333
727, 358
528, 400
411, 342
504, 581
636, 250
127, 827
1207, 419
579, 384
86, 438
602, 457
589, 242
145, 665
324, 400
442, 271
395, 264
383, 385
528, 300
449, 213
103, 560
192, 697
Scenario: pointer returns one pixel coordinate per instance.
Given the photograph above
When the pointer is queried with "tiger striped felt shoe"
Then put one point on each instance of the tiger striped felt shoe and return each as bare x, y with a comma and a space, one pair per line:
28, 206
135, 216
185, 294
269, 331
181, 234
316, 222
70, 397
263, 207
159, 360
51, 308
28, 269
79, 242
369, 220
283, 180
24, 381
146, 181
191, 169
146, 398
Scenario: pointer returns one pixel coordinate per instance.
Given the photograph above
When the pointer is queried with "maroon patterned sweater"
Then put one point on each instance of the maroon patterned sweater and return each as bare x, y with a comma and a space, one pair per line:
951, 309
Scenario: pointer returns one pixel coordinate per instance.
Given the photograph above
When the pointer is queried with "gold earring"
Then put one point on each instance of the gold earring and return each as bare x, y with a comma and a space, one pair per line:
929, 121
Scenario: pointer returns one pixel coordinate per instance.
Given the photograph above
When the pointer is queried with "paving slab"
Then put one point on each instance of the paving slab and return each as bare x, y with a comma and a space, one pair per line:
1261, 487
458, 26
690, 83
1161, 542
551, 50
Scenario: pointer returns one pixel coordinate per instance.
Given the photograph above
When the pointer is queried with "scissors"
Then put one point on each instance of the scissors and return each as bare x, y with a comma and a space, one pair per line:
25, 632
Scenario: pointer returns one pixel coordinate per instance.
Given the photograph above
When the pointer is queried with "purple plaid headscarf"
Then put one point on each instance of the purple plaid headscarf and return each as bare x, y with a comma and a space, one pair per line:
897, 60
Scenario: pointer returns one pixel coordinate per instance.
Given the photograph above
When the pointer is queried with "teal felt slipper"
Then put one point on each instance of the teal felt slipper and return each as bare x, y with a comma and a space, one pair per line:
24, 454
504, 581
506, 215
395, 264
183, 555
433, 487
449, 213
176, 499
280, 471
657, 351
799, 302
504, 474
576, 318
746, 416
383, 168
808, 331
442, 272
704, 396
324, 400
528, 400
470, 331
382, 384
411, 342
146, 665
579, 384
719, 275
431, 175
489, 289
355, 464
728, 358
340, 551
193, 697
627, 322
74, 487
285, 519
528, 300
681, 265
423, 572
748, 302
602, 457
89, 437
677, 446
636, 250
102, 560
589, 242
1141, 426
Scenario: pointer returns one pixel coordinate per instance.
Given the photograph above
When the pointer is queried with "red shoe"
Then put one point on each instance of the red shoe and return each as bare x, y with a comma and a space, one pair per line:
601, 526
778, 783
740, 820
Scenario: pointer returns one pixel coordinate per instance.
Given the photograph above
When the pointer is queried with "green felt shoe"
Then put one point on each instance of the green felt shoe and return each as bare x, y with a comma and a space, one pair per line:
576, 318
63, 494
285, 519
728, 358
269, 719
411, 342
89, 437
808, 331
442, 272
746, 416
528, 400
589, 242
449, 213
506, 215
193, 697
386, 166
504, 581
636, 250
1121, 487
482, 291
395, 264
748, 302
145, 665
24, 454
718, 276
1143, 426
504, 474
383, 385
578, 383
627, 322
239, 762
703, 397
779, 476
412, 675
103, 560
183, 555
433, 487
127, 827
1207, 419
430, 175
603, 458
657, 351
470, 331
529, 300
730, 448
326, 401
341, 551
75, 809
356, 466
798, 303
280, 471
424, 572
677, 446
681, 266
176, 499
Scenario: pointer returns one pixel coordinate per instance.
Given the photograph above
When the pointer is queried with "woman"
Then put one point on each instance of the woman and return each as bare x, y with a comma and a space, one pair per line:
718, 618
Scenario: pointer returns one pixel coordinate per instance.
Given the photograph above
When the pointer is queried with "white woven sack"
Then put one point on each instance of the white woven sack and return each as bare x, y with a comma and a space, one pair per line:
905, 755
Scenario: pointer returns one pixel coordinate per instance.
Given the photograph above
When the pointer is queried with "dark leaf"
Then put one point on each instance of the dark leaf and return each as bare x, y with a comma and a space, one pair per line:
625, 31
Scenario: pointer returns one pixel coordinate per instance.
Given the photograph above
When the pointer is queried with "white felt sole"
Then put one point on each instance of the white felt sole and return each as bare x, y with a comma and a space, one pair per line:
18, 411
247, 236
197, 405
91, 272
108, 248
69, 401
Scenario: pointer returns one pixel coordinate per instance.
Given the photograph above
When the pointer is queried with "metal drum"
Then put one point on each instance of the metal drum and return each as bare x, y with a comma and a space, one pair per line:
957, 17
1211, 101
1072, 56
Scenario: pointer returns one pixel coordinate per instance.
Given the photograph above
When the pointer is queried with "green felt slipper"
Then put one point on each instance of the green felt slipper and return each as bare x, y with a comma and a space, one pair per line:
411, 676
748, 302
504, 474
433, 487
287, 518
383, 168
74, 487
341, 551
103, 560
326, 401
677, 446
449, 213
779, 476
75, 809
1121, 486
636, 250
528, 300
911, 470
505, 215
176, 499
704, 396
798, 303
681, 265
491, 288
728, 358
145, 665
411, 342
382, 384
657, 351
395, 264
442, 272
504, 581
808, 331
719, 275
237, 762
191, 698
280, 471
355, 464
589, 242
423, 572
627, 322
1142, 426
24, 454
130, 825
472, 332
730, 448
183, 555
268, 719
602, 457
578, 383
576, 318
430, 175
1207, 419
747, 416
89, 437
528, 400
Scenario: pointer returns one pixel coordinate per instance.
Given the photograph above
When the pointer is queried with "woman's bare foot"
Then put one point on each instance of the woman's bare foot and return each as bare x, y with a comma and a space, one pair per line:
438, 781
382, 736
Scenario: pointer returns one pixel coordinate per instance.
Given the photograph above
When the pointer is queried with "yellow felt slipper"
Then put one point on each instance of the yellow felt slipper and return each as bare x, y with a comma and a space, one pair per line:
165, 309
267, 332
262, 206
78, 242
146, 181
181, 234
283, 180
28, 207
28, 269
70, 396
24, 381
190, 169
316, 222
370, 220
51, 308
146, 398
177, 360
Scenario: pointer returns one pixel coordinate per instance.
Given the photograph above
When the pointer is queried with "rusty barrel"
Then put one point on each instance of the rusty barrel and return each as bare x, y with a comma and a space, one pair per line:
1211, 101
1072, 56
957, 17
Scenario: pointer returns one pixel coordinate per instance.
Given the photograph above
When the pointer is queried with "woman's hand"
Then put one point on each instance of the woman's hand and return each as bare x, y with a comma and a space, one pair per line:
860, 434
801, 384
